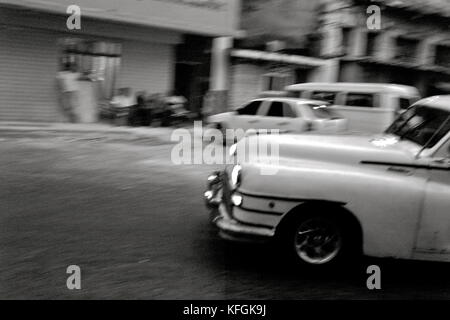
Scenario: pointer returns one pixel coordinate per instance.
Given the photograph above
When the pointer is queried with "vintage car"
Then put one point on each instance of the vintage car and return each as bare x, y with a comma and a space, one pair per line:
336, 197
284, 114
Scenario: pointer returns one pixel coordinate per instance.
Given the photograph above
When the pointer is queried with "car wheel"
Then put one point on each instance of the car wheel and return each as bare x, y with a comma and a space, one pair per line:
320, 240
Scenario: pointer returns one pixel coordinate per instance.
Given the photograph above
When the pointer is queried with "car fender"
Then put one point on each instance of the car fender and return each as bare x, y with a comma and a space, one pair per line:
220, 118
387, 204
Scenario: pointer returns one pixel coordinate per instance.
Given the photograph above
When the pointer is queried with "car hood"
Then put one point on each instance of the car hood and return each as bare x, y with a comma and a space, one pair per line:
340, 149
219, 117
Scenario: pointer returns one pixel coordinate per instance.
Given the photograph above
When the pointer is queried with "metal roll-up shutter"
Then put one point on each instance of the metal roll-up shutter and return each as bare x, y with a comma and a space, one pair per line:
246, 83
146, 67
28, 67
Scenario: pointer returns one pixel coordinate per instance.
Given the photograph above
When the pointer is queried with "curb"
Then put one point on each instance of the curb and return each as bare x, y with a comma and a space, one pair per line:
140, 132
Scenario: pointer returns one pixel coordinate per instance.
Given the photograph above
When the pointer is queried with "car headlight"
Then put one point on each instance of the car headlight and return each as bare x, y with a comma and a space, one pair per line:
236, 199
236, 176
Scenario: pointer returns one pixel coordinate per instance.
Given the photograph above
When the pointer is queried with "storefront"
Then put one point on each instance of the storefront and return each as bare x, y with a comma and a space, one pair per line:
110, 52
253, 72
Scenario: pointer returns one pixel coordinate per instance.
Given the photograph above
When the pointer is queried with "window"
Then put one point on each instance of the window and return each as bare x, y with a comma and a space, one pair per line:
281, 109
294, 94
324, 96
442, 57
288, 111
360, 100
447, 150
404, 103
276, 109
276, 81
250, 109
323, 112
371, 42
346, 43
420, 124
302, 75
94, 60
407, 49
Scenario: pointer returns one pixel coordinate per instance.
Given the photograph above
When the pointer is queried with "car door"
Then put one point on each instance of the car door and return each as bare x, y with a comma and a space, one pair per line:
433, 241
322, 118
282, 116
247, 117
364, 111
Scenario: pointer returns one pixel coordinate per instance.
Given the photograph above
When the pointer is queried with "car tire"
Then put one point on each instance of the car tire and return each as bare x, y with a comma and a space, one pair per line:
319, 241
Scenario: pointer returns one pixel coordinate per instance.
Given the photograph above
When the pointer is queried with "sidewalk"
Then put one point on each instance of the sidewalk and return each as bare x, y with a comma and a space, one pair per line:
163, 133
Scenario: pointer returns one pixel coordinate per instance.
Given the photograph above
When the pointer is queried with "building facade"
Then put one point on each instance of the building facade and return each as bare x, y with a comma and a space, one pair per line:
278, 46
292, 41
411, 45
142, 45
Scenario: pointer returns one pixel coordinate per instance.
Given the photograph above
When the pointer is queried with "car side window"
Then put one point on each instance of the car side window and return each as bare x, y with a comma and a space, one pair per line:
444, 152
275, 109
250, 109
288, 111
360, 100
281, 109
294, 94
324, 96
448, 150
404, 103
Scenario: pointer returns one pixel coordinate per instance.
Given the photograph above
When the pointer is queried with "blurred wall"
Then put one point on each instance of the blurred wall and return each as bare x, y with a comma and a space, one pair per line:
213, 17
288, 20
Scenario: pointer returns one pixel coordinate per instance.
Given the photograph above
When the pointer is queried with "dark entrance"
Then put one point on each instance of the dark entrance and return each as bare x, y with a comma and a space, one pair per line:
192, 68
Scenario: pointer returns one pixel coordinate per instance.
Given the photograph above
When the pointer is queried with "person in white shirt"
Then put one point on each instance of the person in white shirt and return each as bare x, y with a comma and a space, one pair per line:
69, 87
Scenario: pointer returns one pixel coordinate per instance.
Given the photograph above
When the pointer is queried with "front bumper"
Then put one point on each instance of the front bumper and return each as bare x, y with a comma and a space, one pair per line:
218, 200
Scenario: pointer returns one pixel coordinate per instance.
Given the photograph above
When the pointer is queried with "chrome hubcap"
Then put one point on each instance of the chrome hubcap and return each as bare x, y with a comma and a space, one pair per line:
317, 241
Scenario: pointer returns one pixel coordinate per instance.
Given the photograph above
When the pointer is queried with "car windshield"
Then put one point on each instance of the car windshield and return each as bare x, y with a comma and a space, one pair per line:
423, 125
323, 111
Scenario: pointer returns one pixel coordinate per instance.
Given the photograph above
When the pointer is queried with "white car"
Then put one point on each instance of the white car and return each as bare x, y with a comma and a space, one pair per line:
335, 197
285, 114
369, 107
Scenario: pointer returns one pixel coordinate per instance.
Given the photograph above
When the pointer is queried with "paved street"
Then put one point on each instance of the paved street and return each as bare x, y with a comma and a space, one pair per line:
136, 225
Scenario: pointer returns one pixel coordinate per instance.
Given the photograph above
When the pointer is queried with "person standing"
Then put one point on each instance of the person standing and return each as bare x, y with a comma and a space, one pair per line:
69, 87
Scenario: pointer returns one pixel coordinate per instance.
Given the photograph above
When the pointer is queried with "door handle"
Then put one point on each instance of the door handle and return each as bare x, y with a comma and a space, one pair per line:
399, 170
441, 162
253, 121
282, 123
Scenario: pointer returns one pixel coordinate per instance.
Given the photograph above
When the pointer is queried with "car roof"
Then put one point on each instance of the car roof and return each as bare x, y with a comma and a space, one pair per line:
338, 86
292, 100
440, 102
